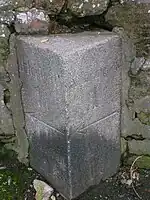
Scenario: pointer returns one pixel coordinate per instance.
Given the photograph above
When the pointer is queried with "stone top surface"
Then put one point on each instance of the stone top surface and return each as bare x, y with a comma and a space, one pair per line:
69, 43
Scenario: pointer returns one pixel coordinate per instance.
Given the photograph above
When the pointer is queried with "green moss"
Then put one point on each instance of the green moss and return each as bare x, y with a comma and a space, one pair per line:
143, 162
4, 49
144, 118
15, 178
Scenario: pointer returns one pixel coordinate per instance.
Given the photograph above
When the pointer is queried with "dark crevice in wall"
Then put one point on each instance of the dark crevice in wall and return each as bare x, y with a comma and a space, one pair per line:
6, 96
79, 24
135, 137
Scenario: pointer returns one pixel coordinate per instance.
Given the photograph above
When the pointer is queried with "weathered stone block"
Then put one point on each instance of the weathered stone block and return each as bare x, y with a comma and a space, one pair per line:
138, 28
87, 7
139, 147
71, 98
53, 7
6, 124
32, 21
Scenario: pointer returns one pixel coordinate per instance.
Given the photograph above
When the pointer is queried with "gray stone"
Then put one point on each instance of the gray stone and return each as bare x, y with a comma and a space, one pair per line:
124, 144
138, 28
7, 17
71, 99
6, 124
135, 129
21, 145
134, 1
146, 66
139, 147
32, 22
142, 105
139, 86
13, 4
53, 7
4, 4
137, 64
22, 3
4, 44
87, 7
4, 31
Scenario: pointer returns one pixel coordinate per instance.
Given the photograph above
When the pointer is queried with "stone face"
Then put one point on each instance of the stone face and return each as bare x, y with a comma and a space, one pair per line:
137, 64
138, 28
142, 105
14, 85
71, 99
146, 66
32, 22
135, 128
6, 124
13, 4
139, 147
140, 85
7, 17
4, 4
87, 7
22, 3
4, 46
123, 146
53, 7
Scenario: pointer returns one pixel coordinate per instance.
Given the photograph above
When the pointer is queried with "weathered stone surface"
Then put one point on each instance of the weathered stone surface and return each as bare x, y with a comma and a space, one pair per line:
22, 3
134, 18
146, 66
135, 128
142, 105
4, 46
21, 145
32, 22
6, 5
53, 7
7, 17
140, 86
6, 124
123, 146
87, 7
139, 147
137, 64
71, 98
128, 59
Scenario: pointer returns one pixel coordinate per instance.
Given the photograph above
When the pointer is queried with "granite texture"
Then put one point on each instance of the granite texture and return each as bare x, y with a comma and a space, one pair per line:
71, 99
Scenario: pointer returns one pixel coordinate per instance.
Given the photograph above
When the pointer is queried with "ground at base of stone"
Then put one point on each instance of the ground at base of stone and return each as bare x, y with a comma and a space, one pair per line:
16, 183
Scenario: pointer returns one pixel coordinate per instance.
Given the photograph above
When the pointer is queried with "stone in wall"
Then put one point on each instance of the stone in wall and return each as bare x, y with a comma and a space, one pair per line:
21, 145
123, 146
6, 124
135, 128
83, 8
53, 7
137, 114
7, 17
14, 4
33, 21
134, 18
7, 131
139, 147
